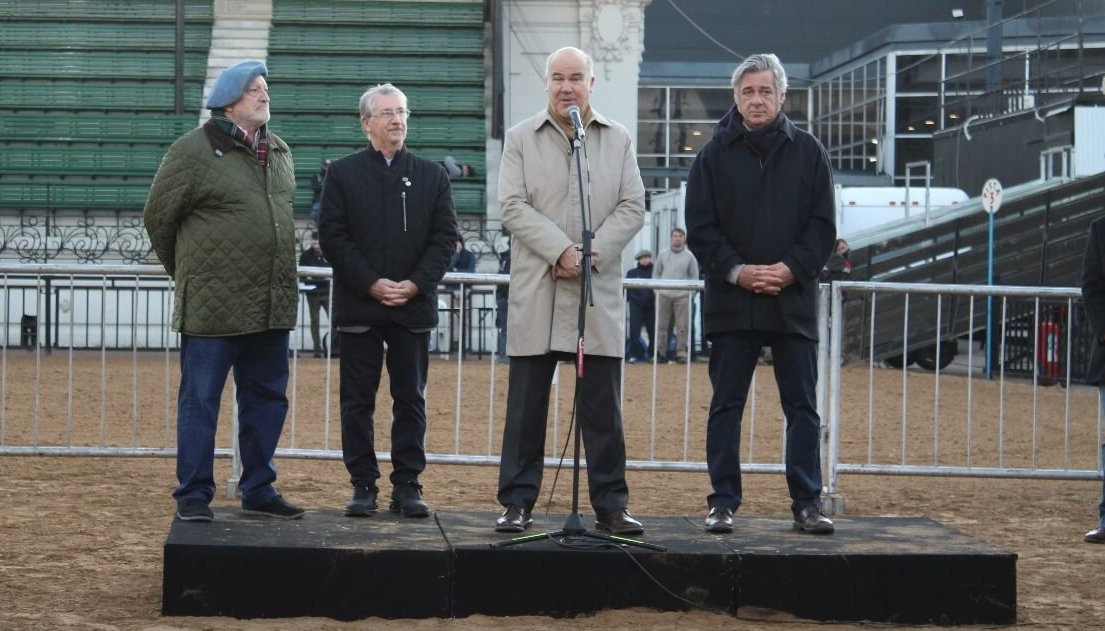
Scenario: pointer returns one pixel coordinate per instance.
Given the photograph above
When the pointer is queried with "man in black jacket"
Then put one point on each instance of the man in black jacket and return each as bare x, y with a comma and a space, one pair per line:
1093, 298
318, 294
388, 228
760, 218
642, 313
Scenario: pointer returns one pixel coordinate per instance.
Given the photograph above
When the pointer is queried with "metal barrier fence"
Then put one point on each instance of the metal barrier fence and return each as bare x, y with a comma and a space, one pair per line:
1043, 426
99, 391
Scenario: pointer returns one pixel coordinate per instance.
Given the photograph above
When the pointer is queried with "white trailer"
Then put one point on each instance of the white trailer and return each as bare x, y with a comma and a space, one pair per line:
858, 209
861, 208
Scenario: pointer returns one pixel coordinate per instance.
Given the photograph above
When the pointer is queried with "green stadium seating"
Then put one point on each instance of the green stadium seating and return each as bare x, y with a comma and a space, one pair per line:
445, 131
402, 70
104, 10
95, 96
65, 160
323, 55
87, 105
383, 39
468, 197
106, 36
86, 65
74, 194
443, 100
117, 127
468, 14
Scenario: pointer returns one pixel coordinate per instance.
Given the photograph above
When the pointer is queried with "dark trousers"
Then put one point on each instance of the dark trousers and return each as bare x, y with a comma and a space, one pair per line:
362, 359
600, 419
1101, 506
640, 317
260, 365
316, 303
732, 363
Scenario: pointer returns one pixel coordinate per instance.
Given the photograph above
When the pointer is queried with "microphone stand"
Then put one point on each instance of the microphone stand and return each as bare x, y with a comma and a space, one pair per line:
573, 525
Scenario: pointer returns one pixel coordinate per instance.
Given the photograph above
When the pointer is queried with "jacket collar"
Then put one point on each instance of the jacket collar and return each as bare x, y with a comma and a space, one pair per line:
377, 156
544, 118
221, 142
731, 126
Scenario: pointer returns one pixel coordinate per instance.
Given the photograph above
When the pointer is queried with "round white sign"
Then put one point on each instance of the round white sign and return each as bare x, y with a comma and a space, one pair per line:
991, 196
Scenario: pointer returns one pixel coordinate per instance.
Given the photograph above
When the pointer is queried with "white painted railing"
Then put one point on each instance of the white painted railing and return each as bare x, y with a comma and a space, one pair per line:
98, 391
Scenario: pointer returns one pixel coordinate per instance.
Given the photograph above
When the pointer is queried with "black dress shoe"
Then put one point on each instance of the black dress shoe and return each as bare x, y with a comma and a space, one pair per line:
719, 520
406, 499
514, 519
364, 502
618, 522
813, 521
1097, 535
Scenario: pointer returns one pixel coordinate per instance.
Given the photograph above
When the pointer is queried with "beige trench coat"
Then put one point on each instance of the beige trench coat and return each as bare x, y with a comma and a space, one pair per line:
539, 197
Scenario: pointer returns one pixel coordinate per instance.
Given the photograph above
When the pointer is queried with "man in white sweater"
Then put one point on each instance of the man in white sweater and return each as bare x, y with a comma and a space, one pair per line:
673, 306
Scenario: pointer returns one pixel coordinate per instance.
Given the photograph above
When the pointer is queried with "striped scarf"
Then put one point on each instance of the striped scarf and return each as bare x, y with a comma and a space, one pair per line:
259, 145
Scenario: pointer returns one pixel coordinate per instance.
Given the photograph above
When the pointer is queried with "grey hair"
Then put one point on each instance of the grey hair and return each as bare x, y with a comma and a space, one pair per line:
761, 63
586, 58
368, 99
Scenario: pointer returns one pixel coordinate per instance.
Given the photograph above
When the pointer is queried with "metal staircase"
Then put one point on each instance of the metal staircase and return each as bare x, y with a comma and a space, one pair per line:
1039, 240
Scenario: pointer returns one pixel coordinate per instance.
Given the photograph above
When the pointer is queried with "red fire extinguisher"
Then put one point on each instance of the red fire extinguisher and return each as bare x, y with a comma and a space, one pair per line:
1047, 352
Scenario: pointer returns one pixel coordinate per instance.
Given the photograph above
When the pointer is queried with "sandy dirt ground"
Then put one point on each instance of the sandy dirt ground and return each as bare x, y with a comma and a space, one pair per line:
81, 537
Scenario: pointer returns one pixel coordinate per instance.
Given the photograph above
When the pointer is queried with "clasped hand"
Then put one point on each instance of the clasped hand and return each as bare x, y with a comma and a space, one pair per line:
570, 263
765, 279
392, 294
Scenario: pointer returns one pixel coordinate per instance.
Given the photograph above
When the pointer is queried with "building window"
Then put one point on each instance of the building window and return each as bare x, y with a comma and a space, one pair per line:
849, 116
674, 122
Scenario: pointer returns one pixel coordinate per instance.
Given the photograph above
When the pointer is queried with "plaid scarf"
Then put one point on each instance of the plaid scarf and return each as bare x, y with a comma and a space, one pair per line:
259, 144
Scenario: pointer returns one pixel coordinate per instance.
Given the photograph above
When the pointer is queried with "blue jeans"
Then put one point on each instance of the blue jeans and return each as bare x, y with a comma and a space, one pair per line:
733, 360
260, 365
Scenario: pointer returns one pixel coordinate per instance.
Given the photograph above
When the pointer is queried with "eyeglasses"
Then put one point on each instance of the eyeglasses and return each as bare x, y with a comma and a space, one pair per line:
257, 90
390, 114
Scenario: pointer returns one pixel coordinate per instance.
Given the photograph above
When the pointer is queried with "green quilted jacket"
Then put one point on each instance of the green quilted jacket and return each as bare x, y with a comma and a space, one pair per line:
222, 227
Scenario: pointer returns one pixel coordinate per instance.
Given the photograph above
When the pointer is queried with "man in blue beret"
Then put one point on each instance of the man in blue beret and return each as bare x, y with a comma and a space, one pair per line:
219, 215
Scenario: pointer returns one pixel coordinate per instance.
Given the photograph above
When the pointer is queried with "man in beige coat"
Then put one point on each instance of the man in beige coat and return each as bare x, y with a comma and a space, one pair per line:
539, 194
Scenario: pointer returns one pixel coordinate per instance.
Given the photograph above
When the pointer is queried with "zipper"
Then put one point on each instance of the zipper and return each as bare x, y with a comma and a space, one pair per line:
404, 196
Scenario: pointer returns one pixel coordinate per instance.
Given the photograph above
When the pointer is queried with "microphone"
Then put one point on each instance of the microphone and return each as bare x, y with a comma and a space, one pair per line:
577, 121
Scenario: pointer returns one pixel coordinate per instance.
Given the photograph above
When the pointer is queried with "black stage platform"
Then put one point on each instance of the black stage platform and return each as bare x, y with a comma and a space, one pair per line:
904, 570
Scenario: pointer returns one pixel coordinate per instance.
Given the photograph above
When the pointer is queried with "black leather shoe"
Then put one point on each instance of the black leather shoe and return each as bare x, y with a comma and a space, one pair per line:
719, 520
514, 519
619, 522
813, 521
1097, 535
363, 503
406, 499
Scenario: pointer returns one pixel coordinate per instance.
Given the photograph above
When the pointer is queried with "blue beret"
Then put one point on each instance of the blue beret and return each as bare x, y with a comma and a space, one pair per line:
232, 83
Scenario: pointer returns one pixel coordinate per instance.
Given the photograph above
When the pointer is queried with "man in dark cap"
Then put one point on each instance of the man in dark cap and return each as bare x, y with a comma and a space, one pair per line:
642, 310
219, 215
